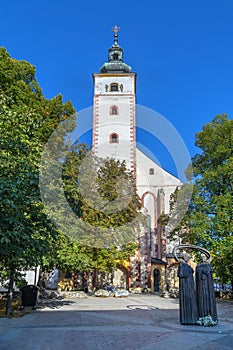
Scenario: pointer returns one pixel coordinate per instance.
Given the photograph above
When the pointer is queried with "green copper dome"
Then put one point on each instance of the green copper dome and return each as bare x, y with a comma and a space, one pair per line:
115, 62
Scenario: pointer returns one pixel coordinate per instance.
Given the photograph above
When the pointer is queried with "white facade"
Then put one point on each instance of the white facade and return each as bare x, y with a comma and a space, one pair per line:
114, 114
150, 178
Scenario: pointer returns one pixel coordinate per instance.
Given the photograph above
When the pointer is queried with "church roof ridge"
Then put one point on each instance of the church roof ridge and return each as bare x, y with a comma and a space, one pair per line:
150, 157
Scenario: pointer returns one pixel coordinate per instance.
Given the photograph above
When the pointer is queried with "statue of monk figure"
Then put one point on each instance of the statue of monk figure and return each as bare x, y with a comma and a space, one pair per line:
187, 295
206, 302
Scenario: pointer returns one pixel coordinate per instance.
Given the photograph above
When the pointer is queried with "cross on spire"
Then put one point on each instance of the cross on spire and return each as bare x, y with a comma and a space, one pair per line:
116, 30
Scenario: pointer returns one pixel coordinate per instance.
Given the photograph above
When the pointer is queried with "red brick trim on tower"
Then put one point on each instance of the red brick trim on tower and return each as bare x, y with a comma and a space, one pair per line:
95, 132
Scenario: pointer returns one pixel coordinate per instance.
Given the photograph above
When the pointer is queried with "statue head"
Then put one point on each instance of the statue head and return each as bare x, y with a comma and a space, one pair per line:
203, 257
186, 257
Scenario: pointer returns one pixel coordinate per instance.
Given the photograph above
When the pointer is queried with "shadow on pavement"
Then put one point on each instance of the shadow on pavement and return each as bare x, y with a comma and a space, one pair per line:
53, 303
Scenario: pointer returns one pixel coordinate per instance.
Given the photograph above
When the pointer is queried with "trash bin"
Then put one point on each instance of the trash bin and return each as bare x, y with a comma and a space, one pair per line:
29, 296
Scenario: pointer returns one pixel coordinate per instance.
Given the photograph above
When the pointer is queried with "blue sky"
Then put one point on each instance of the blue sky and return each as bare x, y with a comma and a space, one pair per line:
182, 52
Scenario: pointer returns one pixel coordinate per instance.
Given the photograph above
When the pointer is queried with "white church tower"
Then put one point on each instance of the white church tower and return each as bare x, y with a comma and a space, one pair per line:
114, 109
114, 136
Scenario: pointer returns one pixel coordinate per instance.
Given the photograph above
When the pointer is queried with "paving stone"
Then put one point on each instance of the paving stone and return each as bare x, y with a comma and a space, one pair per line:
140, 322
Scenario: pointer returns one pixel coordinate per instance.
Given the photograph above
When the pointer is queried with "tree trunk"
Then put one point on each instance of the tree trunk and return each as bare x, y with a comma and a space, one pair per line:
95, 279
10, 291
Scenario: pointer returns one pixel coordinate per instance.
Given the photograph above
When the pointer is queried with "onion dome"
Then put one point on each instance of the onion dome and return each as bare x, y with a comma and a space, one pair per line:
115, 62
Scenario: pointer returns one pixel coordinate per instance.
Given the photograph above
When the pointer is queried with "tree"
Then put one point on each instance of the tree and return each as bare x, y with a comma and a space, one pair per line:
102, 194
113, 201
66, 254
209, 219
27, 119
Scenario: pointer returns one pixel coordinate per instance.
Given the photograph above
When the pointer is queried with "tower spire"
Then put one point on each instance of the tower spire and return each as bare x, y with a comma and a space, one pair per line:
115, 30
115, 62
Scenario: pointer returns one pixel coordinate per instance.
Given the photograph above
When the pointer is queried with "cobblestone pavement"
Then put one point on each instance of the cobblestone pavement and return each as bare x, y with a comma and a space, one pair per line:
140, 322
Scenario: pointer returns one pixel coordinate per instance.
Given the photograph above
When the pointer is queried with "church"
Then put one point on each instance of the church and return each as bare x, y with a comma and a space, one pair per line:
114, 136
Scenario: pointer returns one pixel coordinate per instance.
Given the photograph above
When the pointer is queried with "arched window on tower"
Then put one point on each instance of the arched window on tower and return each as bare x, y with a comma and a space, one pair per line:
115, 56
114, 87
114, 110
114, 138
151, 171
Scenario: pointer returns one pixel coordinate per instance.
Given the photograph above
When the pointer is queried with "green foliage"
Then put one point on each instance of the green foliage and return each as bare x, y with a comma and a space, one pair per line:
223, 260
109, 211
102, 194
106, 259
66, 254
27, 119
209, 219
113, 201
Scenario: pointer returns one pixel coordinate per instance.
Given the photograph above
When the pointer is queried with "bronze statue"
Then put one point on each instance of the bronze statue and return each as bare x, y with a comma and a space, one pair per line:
196, 305
187, 295
206, 302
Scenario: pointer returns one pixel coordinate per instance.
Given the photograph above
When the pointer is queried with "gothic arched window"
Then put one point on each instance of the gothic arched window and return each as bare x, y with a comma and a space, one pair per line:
114, 87
114, 110
151, 171
114, 138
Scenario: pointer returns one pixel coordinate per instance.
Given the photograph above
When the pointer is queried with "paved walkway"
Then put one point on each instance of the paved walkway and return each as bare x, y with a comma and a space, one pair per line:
140, 322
